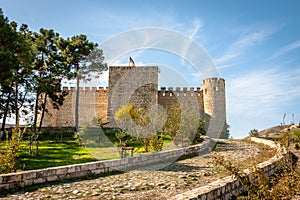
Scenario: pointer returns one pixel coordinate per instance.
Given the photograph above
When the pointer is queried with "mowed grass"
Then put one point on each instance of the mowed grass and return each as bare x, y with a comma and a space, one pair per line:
53, 152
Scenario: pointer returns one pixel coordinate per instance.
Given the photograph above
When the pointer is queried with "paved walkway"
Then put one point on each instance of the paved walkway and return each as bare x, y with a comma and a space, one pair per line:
181, 176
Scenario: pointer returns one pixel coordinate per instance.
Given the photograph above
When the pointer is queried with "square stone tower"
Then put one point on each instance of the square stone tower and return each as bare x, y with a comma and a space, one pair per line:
131, 85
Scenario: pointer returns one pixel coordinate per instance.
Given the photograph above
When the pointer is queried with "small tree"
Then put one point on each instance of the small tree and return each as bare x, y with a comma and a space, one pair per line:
9, 158
253, 133
142, 124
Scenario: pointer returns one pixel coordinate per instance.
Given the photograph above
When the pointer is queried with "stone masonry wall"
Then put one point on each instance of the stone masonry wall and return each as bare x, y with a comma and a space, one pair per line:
127, 85
214, 103
191, 97
139, 86
92, 103
27, 178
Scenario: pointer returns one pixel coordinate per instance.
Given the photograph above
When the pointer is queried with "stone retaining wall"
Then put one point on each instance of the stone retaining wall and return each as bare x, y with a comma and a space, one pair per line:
27, 178
228, 187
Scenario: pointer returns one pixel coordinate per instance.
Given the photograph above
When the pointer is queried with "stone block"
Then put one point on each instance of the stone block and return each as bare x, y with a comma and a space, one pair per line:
64, 176
98, 171
71, 169
52, 178
39, 180
61, 170
49, 172
100, 165
77, 168
28, 182
40, 173
4, 186
29, 175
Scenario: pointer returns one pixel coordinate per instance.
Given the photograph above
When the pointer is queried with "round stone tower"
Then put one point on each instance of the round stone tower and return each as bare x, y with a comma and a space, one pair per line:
214, 106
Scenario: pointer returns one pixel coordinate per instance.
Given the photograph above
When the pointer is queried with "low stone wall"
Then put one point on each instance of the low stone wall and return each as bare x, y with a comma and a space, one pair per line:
228, 187
26, 178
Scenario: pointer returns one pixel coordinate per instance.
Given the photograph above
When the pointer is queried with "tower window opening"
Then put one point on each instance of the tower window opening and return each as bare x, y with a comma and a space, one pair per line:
177, 94
164, 94
184, 94
205, 91
171, 94
217, 88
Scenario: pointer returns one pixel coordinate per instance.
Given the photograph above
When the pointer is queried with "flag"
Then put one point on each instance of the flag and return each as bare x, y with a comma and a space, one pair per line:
131, 62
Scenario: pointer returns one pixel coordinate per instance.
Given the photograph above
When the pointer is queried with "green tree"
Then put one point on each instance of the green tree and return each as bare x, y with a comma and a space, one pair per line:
15, 64
78, 53
253, 133
140, 123
49, 71
183, 124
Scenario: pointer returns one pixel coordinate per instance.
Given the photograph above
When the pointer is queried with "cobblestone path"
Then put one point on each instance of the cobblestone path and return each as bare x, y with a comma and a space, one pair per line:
160, 184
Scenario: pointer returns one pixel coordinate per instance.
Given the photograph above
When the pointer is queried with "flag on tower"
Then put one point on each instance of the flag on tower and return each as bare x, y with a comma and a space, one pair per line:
131, 62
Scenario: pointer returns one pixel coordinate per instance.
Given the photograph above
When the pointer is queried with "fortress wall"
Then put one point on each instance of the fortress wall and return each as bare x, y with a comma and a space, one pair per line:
214, 106
139, 86
92, 103
127, 85
101, 103
191, 97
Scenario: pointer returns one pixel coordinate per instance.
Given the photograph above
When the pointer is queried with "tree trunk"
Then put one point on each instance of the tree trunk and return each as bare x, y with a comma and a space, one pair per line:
36, 111
77, 100
6, 111
43, 112
16, 101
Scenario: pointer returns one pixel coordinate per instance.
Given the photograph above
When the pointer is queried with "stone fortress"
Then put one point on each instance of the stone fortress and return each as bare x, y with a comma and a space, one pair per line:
139, 86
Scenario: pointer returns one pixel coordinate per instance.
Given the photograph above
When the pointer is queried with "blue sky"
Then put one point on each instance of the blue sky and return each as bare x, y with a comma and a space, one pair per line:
255, 45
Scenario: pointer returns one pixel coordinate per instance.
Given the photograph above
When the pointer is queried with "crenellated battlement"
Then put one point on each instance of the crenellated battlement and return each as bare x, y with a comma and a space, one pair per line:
100, 89
180, 91
210, 80
139, 86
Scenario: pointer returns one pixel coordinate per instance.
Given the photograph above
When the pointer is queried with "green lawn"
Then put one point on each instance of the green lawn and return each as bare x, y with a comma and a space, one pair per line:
52, 152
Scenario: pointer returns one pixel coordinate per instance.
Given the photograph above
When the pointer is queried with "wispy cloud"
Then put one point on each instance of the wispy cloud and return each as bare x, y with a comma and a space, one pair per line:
262, 93
238, 47
197, 25
192, 34
286, 49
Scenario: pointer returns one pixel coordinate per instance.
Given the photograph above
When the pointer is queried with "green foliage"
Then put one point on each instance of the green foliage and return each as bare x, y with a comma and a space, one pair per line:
183, 124
253, 133
8, 158
295, 134
123, 138
98, 121
198, 138
156, 142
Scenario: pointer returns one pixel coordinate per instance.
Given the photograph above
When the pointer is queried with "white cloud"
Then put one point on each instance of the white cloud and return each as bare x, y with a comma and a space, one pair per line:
197, 25
286, 49
263, 93
192, 34
237, 48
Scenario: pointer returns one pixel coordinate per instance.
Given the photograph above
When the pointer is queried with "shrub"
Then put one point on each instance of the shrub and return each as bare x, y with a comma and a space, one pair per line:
285, 184
9, 158
156, 142
297, 146
254, 133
